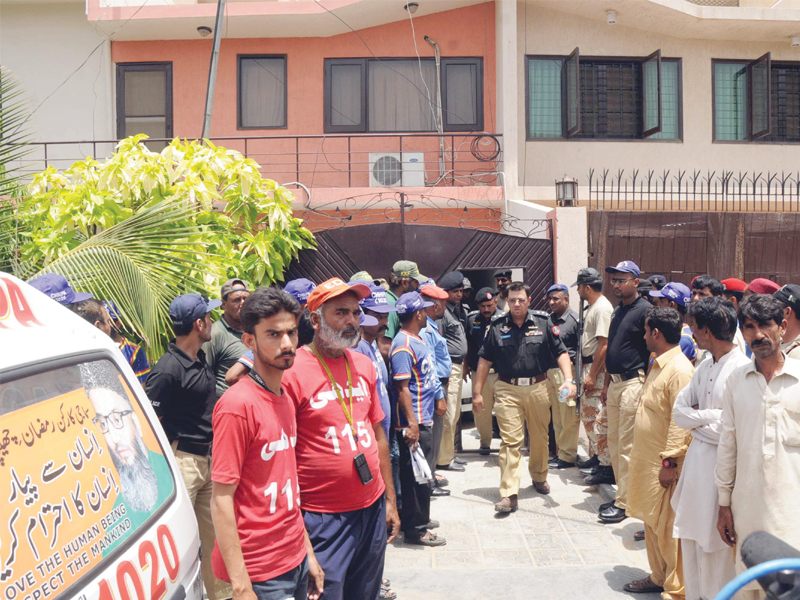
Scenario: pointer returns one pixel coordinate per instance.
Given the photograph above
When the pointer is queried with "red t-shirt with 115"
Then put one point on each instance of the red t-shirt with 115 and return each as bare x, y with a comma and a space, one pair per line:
254, 438
326, 447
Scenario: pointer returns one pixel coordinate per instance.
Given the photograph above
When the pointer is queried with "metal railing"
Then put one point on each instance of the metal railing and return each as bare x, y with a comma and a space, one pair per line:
715, 2
725, 191
338, 160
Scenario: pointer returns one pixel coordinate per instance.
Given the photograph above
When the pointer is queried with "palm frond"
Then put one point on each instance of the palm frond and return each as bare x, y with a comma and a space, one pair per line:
141, 264
14, 136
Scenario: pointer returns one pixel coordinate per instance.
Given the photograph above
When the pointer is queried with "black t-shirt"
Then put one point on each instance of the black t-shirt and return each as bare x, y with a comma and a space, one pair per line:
525, 351
627, 349
568, 326
183, 393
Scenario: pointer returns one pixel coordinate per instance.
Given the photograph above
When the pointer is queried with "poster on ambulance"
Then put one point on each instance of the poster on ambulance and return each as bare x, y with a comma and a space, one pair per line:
81, 471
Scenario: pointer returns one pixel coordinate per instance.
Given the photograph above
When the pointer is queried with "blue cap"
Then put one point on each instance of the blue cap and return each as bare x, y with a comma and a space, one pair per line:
677, 292
57, 288
190, 307
377, 301
411, 302
451, 281
626, 266
367, 320
300, 289
112, 309
559, 287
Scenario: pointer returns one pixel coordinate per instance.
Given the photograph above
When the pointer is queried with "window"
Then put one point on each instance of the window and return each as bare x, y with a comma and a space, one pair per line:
397, 95
756, 100
603, 98
144, 101
262, 92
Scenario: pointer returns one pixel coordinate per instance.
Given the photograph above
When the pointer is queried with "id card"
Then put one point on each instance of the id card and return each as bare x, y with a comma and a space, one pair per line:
362, 467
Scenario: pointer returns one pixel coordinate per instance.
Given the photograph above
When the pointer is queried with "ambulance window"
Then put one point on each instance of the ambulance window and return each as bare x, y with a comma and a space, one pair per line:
84, 473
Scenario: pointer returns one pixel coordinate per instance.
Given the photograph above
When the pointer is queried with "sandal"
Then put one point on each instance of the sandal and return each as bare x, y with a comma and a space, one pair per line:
429, 539
642, 586
385, 584
387, 594
638, 536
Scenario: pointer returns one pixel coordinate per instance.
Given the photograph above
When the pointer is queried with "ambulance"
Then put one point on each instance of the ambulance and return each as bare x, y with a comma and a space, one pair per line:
93, 503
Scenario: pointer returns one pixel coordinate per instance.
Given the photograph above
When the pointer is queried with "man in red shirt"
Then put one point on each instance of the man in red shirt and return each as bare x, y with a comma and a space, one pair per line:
342, 455
262, 548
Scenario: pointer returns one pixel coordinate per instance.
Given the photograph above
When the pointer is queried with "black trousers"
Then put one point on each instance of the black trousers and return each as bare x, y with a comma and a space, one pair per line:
416, 510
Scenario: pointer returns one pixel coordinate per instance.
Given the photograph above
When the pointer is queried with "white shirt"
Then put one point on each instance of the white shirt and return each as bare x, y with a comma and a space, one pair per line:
695, 497
758, 460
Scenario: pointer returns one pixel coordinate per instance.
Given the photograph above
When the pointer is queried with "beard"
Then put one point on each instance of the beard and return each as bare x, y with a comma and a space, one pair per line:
138, 481
337, 340
281, 362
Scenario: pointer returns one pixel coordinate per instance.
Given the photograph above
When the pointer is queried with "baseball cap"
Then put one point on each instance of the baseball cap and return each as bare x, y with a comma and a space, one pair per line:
190, 307
790, 294
57, 288
675, 291
658, 281
411, 302
626, 266
362, 276
112, 309
485, 295
233, 285
734, 285
503, 273
433, 291
377, 301
406, 268
761, 285
588, 276
331, 289
300, 289
366, 320
451, 281
644, 287
558, 287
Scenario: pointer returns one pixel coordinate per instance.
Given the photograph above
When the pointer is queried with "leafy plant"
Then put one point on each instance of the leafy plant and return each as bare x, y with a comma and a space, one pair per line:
143, 227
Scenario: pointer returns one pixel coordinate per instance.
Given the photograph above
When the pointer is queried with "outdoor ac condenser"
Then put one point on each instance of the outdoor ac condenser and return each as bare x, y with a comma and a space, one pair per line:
392, 169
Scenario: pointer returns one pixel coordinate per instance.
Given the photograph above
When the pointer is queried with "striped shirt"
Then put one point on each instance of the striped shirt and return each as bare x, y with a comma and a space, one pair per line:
411, 360
136, 358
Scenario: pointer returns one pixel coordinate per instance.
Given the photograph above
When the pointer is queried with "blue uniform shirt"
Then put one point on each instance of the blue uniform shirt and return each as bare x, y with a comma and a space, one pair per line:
372, 353
411, 360
438, 347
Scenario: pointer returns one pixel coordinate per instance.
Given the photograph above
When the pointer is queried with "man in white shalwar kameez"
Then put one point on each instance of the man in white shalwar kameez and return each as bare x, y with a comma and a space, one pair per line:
708, 562
758, 459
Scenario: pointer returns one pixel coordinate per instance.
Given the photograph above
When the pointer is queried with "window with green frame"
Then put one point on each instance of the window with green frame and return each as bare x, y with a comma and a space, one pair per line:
614, 98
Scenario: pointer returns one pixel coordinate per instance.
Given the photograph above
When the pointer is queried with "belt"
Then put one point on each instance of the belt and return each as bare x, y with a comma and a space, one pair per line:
194, 447
523, 380
587, 360
617, 377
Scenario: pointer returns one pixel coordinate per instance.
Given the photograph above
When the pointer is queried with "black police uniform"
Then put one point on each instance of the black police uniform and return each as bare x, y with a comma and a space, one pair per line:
477, 326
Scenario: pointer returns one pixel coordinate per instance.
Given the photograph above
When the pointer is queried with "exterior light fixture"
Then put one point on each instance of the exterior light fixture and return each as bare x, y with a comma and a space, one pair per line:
567, 192
204, 31
611, 17
795, 40
411, 7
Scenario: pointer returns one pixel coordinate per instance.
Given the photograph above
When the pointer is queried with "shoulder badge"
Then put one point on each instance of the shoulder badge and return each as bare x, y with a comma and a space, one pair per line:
540, 313
556, 330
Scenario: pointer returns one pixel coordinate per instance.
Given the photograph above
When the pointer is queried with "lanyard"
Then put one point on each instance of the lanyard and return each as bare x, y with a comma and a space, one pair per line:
260, 382
347, 413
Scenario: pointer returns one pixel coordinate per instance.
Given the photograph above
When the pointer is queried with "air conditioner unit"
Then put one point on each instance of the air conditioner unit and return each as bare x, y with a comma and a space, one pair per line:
392, 169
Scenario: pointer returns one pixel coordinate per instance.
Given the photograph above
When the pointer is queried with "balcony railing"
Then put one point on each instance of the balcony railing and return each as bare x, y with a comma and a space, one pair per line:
333, 161
715, 2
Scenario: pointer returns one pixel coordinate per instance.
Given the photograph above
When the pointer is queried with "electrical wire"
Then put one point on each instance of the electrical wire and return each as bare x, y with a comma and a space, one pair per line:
419, 62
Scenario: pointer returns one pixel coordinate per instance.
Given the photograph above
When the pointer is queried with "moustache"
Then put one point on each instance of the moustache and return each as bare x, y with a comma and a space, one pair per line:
383, 328
762, 342
349, 331
286, 355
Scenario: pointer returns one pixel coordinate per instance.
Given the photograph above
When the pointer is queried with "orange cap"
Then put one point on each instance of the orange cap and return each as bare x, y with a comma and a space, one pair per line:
433, 291
332, 288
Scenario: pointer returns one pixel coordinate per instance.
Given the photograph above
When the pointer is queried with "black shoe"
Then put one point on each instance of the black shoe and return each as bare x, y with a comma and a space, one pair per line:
561, 464
453, 466
613, 515
484, 451
590, 471
589, 463
606, 506
439, 492
605, 475
459, 461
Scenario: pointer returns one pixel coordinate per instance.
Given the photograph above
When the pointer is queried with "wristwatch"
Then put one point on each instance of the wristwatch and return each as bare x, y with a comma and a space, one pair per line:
572, 381
668, 464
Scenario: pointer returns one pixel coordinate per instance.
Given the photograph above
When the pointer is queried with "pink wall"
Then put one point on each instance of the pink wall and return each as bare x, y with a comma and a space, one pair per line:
458, 32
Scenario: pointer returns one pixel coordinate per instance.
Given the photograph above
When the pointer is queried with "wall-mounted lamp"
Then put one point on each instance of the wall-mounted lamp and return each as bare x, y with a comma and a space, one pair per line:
411, 7
611, 17
567, 192
795, 40
204, 31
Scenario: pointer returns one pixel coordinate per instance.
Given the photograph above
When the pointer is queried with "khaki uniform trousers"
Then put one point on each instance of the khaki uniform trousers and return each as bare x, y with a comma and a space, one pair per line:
196, 472
594, 419
622, 402
483, 421
566, 423
515, 406
447, 449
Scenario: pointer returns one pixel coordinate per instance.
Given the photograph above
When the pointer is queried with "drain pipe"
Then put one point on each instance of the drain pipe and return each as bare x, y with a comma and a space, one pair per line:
439, 126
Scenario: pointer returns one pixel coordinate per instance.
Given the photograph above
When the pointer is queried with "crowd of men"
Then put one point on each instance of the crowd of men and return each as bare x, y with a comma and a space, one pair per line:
346, 397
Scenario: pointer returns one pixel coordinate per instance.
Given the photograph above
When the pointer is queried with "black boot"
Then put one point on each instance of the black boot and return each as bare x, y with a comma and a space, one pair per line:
588, 463
604, 475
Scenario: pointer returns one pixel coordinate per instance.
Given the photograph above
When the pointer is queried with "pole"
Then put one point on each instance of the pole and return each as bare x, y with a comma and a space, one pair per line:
579, 361
212, 70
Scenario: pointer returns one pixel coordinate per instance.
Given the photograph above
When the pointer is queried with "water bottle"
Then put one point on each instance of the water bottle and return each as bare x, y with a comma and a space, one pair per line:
563, 394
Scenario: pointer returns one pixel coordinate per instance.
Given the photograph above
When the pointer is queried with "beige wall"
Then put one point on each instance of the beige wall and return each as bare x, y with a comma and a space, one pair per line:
544, 31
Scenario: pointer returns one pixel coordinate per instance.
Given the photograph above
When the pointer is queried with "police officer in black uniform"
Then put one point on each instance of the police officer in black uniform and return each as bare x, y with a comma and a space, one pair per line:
521, 345
477, 325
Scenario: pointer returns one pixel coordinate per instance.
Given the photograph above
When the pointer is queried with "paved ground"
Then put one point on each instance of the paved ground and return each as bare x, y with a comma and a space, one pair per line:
553, 547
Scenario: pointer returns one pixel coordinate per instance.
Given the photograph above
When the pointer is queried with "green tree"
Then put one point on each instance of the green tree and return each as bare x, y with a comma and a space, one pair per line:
143, 227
